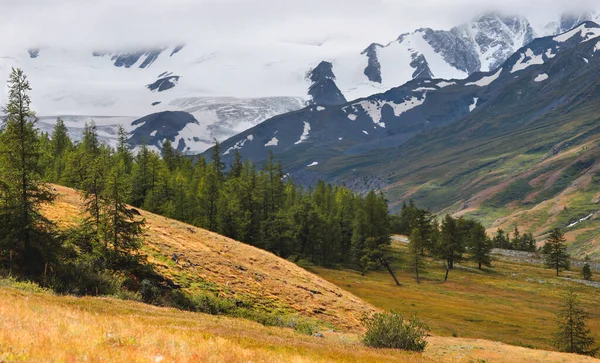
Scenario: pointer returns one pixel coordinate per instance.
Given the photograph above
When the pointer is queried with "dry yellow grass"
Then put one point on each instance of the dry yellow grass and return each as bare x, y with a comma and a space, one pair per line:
41, 327
235, 268
38, 327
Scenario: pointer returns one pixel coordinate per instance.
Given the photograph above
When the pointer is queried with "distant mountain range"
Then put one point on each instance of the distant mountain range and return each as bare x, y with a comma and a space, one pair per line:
229, 89
518, 144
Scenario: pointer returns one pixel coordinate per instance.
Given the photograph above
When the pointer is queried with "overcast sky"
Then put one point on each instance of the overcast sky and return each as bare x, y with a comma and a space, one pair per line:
106, 24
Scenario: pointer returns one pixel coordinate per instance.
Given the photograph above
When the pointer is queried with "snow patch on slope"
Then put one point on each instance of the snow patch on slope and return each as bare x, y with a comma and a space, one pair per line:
473, 106
541, 77
373, 108
485, 81
585, 32
305, 134
238, 145
272, 142
527, 59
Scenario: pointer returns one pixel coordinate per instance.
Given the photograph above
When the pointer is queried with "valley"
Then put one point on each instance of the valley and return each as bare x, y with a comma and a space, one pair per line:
467, 316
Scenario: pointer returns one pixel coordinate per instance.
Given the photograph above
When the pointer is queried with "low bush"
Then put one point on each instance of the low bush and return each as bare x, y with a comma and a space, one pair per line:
390, 330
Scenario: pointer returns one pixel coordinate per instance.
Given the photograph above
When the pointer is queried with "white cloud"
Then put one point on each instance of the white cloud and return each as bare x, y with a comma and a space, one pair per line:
109, 24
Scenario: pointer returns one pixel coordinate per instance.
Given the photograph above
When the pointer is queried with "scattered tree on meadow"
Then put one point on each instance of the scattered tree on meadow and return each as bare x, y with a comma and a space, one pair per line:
586, 270
555, 252
450, 246
573, 336
480, 246
371, 239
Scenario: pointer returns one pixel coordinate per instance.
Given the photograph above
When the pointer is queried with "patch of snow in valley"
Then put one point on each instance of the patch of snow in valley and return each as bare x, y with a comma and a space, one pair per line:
541, 77
474, 104
421, 89
597, 47
314, 163
352, 117
364, 132
485, 81
153, 133
305, 134
320, 108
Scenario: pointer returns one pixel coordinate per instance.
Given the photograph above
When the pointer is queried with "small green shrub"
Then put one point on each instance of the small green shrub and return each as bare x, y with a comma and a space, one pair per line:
28, 286
390, 330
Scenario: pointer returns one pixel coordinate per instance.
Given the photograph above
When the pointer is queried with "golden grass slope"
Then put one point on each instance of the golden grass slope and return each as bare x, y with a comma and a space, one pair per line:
41, 327
232, 268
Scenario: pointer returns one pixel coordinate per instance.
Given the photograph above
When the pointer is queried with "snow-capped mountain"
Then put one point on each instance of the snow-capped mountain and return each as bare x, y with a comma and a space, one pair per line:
312, 141
229, 88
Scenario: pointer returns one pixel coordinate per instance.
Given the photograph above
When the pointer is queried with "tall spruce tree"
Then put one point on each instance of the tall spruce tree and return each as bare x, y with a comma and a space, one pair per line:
586, 270
555, 252
480, 246
450, 246
122, 231
25, 229
573, 336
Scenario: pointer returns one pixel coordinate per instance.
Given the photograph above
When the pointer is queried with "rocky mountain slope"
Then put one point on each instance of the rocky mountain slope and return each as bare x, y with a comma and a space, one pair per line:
442, 142
234, 87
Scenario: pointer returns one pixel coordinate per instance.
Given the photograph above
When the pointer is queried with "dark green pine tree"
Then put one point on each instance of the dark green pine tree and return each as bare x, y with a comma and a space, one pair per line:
25, 237
555, 252
480, 246
216, 161
416, 258
141, 176
123, 153
169, 155
371, 239
586, 270
121, 231
60, 145
235, 171
573, 336
501, 240
450, 246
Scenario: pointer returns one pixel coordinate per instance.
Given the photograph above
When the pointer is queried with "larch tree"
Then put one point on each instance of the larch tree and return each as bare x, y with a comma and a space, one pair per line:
555, 252
573, 336
21, 175
480, 246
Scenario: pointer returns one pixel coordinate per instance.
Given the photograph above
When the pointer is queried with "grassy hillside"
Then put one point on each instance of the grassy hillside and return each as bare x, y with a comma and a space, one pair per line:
40, 326
514, 302
208, 261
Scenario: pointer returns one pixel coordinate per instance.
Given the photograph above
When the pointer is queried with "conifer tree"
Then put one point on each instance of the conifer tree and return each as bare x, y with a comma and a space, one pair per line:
586, 270
169, 155
501, 240
415, 248
122, 232
573, 336
21, 176
555, 252
480, 246
60, 145
123, 153
450, 246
